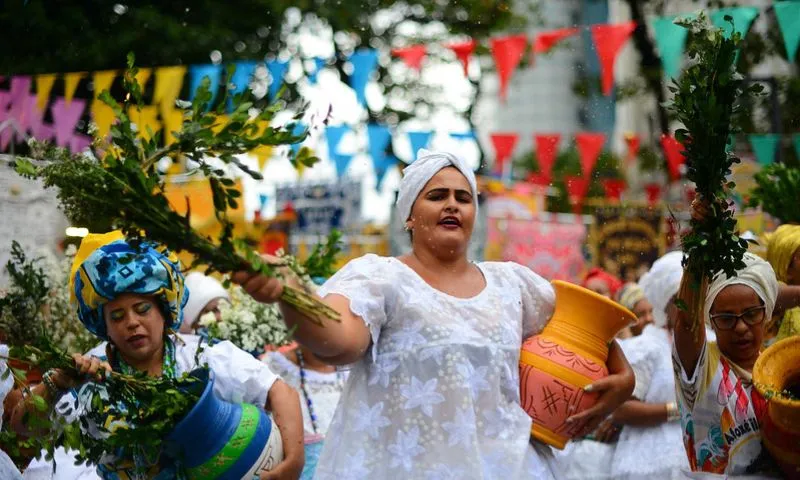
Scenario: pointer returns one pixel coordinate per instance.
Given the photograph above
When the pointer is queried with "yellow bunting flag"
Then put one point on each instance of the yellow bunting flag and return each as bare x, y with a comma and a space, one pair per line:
169, 81
102, 81
71, 81
263, 152
173, 120
103, 117
142, 76
44, 83
145, 117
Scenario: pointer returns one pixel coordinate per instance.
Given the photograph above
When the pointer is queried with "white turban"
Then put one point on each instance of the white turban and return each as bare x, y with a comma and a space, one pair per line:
661, 283
419, 173
202, 289
757, 274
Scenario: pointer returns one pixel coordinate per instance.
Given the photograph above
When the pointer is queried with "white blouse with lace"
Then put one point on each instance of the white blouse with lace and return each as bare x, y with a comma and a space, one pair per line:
650, 357
323, 388
437, 396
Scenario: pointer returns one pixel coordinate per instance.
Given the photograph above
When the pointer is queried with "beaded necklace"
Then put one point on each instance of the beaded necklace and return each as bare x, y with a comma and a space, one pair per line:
302, 364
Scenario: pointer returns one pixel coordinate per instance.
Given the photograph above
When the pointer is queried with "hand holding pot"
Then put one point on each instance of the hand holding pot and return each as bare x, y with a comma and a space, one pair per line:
614, 390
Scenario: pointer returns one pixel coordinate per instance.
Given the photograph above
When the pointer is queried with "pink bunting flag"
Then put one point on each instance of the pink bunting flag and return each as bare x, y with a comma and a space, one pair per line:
65, 118
34, 120
507, 52
614, 188
463, 51
504, 144
608, 40
412, 56
544, 41
590, 145
13, 106
546, 152
673, 151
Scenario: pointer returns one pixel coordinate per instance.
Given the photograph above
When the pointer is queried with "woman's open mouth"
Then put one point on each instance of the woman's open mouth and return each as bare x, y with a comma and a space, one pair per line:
137, 341
450, 223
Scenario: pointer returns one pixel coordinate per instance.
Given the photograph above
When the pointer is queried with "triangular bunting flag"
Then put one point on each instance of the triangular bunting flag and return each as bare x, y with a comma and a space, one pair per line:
463, 136
608, 41
277, 70
463, 51
66, 116
796, 142
788, 14
589, 147
418, 140
146, 119
44, 84
670, 40
262, 201
507, 53
169, 81
297, 130
319, 64
764, 147
196, 75
142, 76
633, 142
653, 192
71, 81
364, 62
613, 188
380, 138
742, 19
240, 80
263, 152
102, 81
34, 119
334, 135
577, 188
544, 41
504, 144
412, 56
102, 115
546, 152
673, 151
15, 106
173, 121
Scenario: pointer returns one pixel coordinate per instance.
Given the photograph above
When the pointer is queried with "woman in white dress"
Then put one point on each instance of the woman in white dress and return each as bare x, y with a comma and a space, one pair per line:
435, 341
650, 421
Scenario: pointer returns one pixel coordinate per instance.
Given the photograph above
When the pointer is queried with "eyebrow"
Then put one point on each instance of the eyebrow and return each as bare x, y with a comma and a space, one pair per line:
444, 189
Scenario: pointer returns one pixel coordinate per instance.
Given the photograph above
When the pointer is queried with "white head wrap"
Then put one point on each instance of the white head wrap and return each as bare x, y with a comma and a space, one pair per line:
661, 283
757, 274
202, 289
419, 173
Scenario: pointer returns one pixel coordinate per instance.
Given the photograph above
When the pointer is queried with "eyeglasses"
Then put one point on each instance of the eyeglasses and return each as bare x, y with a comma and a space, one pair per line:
728, 321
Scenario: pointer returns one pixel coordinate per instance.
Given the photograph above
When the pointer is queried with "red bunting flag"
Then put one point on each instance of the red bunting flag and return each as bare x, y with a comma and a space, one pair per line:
614, 188
544, 41
463, 51
412, 56
589, 147
673, 151
504, 144
507, 53
577, 188
539, 179
653, 191
608, 40
546, 151
633, 142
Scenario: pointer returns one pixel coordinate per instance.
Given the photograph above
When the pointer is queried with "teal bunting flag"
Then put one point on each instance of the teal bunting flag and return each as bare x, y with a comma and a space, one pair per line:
196, 75
418, 140
670, 40
380, 138
796, 142
764, 147
788, 14
742, 19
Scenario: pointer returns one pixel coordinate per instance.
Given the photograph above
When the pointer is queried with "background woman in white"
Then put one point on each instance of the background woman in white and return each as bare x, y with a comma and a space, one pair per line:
435, 338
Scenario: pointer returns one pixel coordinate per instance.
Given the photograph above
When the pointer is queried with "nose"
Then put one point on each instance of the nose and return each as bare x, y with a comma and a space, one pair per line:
452, 204
741, 328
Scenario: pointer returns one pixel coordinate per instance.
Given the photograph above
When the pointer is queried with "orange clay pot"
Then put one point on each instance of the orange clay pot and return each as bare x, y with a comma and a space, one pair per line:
778, 369
570, 353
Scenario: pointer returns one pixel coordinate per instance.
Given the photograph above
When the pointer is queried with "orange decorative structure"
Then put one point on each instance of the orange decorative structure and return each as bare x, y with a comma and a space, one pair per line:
776, 375
569, 354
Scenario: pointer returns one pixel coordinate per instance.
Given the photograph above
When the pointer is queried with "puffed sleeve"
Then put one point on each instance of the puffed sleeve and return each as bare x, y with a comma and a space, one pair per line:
643, 358
365, 282
538, 299
238, 376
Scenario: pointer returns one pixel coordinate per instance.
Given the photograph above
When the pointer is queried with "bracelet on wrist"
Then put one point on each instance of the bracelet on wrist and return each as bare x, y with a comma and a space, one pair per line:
52, 388
673, 413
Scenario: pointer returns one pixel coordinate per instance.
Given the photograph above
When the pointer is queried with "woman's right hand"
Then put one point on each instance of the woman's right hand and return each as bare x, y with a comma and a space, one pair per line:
86, 365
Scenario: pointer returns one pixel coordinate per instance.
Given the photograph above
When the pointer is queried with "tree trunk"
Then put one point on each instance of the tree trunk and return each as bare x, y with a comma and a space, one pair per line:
651, 67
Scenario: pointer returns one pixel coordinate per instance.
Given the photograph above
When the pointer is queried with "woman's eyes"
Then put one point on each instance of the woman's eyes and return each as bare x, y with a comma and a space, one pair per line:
142, 308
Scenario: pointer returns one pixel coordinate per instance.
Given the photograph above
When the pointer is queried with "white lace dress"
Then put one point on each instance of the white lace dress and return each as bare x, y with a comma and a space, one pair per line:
8, 471
437, 395
650, 356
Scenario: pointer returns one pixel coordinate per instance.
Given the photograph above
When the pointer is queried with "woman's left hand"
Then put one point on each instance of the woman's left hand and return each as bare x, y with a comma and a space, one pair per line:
614, 390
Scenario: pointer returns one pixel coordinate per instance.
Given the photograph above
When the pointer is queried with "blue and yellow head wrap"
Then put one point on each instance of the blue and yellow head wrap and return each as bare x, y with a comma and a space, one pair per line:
106, 266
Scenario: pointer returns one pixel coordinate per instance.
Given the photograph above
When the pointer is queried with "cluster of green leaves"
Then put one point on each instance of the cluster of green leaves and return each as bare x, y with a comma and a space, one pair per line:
707, 101
127, 173
777, 192
143, 409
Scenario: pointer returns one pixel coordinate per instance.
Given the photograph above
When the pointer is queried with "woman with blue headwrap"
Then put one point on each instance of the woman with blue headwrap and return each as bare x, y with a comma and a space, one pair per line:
435, 342
133, 298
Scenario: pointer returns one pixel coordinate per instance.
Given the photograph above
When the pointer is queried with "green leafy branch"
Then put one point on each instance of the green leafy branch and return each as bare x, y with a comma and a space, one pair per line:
777, 192
122, 183
707, 101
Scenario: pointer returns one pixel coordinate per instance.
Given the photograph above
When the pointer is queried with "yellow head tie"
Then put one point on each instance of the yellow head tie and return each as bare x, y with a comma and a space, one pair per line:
781, 247
89, 244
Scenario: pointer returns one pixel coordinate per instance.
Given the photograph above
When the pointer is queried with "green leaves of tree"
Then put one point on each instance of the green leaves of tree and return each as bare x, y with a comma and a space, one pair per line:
777, 192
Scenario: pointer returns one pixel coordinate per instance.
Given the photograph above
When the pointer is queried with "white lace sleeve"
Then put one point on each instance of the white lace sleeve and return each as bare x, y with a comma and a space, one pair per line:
238, 376
538, 300
364, 282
